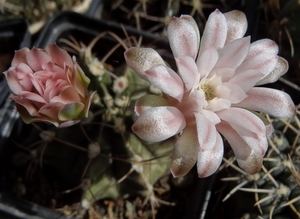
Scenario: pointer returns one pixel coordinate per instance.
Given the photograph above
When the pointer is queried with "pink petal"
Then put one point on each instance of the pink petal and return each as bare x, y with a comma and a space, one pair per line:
51, 111
234, 53
166, 80
183, 37
36, 58
148, 101
236, 25
249, 157
264, 63
20, 57
27, 104
280, 69
215, 32
185, 152
210, 159
188, 71
262, 46
250, 127
142, 59
206, 61
52, 68
159, 123
66, 95
59, 56
32, 96
247, 79
14, 81
271, 101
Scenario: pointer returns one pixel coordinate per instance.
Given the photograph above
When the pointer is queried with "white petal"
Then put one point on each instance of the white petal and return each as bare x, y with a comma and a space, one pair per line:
247, 79
218, 104
241, 149
237, 94
262, 46
225, 73
234, 53
188, 71
209, 159
211, 116
215, 32
250, 127
206, 132
248, 156
148, 101
264, 63
271, 101
183, 37
236, 24
159, 123
166, 80
280, 69
142, 59
185, 152
206, 61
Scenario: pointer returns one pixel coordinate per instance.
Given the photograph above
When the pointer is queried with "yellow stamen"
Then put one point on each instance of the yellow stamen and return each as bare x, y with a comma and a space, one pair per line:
208, 91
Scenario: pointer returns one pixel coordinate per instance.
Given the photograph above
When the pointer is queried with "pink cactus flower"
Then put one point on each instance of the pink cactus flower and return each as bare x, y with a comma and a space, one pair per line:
48, 86
213, 93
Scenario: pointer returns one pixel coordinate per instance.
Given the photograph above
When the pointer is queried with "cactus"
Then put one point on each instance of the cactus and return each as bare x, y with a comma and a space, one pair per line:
276, 186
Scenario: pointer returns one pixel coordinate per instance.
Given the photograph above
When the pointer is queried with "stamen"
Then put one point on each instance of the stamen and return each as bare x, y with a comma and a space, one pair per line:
208, 91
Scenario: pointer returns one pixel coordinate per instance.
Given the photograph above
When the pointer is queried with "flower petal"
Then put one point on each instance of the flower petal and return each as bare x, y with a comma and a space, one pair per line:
236, 25
280, 69
188, 71
206, 132
28, 109
253, 163
159, 123
166, 80
249, 157
264, 63
271, 101
262, 46
206, 61
250, 127
148, 101
71, 111
215, 32
142, 59
36, 58
247, 79
185, 152
209, 160
20, 57
234, 53
183, 37
237, 94
59, 56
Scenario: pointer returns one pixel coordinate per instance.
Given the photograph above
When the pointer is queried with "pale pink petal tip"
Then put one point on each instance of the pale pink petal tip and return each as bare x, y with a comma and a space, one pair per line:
159, 123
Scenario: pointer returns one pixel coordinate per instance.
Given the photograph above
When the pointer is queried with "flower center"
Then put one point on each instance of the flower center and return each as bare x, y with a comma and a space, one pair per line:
209, 91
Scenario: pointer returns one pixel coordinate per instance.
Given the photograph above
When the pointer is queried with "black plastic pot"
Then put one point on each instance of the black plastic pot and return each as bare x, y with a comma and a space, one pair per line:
14, 35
